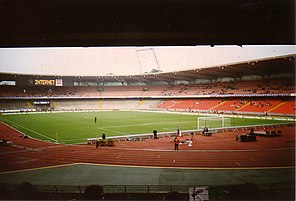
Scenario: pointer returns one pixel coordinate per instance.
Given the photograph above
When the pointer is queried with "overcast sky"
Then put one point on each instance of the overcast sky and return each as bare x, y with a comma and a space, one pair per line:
95, 61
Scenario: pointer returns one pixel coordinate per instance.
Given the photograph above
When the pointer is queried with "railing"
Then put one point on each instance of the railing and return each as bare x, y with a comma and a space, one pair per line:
267, 191
140, 137
107, 188
147, 96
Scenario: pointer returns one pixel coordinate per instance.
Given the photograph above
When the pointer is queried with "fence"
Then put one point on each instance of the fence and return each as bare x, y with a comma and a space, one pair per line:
276, 191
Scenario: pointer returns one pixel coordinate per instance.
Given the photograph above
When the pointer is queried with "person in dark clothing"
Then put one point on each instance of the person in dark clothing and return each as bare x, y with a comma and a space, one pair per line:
103, 136
179, 133
176, 142
192, 136
97, 142
26, 191
155, 134
205, 131
173, 195
95, 119
94, 192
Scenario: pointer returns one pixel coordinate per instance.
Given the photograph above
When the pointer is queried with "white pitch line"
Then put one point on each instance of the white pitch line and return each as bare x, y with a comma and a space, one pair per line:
112, 130
31, 130
147, 123
119, 126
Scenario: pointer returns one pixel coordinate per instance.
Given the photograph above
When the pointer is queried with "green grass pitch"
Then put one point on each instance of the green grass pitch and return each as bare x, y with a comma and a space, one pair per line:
76, 127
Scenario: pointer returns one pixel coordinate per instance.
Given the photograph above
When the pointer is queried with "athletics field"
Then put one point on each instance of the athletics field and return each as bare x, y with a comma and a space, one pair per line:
76, 127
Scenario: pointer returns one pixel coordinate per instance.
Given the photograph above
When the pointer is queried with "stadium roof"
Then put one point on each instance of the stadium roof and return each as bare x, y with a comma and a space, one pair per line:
263, 67
119, 61
53, 23
268, 67
142, 24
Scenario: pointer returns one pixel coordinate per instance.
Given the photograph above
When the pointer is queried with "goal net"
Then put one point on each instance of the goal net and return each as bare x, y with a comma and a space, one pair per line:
213, 122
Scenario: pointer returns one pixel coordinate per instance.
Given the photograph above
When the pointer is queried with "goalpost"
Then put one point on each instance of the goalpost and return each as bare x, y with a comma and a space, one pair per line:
213, 122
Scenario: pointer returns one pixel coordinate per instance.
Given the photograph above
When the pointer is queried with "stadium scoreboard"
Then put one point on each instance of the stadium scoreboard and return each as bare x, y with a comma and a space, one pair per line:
51, 82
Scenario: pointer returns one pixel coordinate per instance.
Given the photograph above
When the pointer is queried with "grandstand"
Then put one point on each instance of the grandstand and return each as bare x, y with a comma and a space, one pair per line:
276, 99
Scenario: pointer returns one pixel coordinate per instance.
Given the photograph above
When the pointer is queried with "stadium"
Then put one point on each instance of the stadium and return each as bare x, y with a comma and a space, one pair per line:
49, 125
147, 100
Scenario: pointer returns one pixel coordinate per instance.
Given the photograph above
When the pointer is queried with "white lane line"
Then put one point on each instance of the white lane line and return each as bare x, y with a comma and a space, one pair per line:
148, 167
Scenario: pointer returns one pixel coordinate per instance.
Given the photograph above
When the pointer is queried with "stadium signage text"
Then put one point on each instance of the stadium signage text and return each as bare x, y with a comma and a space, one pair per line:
45, 82
41, 102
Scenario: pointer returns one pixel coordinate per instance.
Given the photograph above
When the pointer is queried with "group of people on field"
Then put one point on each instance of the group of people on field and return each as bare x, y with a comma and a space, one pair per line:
177, 141
98, 139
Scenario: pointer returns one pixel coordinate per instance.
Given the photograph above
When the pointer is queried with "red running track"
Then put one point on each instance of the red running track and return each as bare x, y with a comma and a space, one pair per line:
217, 151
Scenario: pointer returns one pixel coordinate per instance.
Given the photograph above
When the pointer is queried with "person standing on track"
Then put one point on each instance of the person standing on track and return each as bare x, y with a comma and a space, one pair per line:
155, 134
97, 142
192, 136
176, 142
179, 133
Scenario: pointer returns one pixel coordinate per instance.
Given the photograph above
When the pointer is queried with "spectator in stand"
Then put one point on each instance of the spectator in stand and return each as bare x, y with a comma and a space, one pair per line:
26, 191
94, 192
173, 195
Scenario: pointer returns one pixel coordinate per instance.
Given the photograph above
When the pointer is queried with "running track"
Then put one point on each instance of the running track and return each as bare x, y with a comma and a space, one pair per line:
217, 151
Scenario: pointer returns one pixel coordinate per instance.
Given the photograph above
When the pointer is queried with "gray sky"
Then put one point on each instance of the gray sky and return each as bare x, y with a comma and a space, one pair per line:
95, 61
